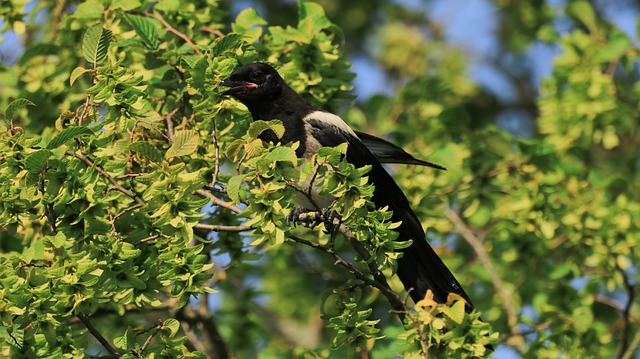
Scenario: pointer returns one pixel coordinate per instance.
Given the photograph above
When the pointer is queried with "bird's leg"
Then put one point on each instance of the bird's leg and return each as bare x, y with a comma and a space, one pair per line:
307, 217
310, 218
331, 220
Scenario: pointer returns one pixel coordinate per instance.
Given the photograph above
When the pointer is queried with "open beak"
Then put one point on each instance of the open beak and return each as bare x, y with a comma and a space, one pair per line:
237, 87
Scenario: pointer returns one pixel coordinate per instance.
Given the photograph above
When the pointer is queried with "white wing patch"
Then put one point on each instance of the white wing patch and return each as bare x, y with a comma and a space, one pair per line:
330, 119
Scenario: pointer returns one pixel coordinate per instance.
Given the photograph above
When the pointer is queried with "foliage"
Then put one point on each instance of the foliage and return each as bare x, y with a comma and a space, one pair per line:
141, 216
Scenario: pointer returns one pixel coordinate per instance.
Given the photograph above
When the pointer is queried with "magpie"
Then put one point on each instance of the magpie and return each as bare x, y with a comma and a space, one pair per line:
268, 97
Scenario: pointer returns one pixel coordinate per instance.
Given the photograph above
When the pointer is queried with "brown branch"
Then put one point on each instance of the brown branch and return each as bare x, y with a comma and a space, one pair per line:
635, 343
155, 329
55, 28
85, 106
483, 256
396, 302
216, 147
211, 31
626, 315
169, 118
173, 30
202, 319
96, 334
218, 202
115, 184
145, 240
221, 228
194, 342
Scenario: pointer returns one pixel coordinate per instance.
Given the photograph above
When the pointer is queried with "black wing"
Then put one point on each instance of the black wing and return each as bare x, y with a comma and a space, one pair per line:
420, 268
386, 152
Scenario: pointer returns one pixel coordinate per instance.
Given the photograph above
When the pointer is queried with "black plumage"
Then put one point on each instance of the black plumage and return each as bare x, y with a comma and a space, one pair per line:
268, 97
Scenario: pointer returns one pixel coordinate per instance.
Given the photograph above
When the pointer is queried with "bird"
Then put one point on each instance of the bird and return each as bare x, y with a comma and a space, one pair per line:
267, 96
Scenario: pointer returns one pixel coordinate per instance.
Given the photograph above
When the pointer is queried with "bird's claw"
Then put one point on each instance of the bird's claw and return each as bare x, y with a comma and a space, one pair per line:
303, 216
309, 218
331, 220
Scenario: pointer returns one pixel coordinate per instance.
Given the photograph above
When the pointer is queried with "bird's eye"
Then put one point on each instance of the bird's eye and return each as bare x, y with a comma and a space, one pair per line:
257, 76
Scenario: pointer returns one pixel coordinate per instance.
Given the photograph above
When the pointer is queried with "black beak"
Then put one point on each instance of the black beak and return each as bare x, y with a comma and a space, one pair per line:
237, 87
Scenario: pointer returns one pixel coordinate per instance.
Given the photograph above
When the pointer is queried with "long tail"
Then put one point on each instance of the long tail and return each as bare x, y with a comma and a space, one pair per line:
420, 268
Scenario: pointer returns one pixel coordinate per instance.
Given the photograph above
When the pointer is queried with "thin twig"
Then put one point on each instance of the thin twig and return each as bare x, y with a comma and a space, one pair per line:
218, 202
212, 31
210, 327
216, 148
58, 19
154, 331
96, 334
174, 31
145, 240
635, 343
395, 301
115, 184
221, 228
85, 106
626, 315
169, 118
483, 256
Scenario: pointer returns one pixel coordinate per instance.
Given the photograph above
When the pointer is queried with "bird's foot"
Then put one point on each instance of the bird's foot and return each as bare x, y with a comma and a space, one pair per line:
309, 218
331, 220
306, 217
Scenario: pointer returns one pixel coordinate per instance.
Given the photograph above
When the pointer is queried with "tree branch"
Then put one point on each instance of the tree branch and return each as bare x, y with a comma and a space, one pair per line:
96, 334
115, 184
380, 282
626, 315
174, 31
218, 202
216, 147
483, 256
221, 228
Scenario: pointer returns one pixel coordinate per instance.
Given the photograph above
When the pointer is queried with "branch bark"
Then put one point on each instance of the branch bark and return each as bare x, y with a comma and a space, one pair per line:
483, 256
99, 337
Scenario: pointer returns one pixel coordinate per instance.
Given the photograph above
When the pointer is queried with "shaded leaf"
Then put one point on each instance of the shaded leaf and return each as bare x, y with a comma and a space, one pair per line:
146, 149
68, 134
145, 28
36, 161
14, 106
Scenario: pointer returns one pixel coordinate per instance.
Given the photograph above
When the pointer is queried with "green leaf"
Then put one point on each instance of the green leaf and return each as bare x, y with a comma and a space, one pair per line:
145, 28
583, 11
231, 42
233, 187
246, 21
14, 106
172, 325
125, 5
68, 134
36, 161
77, 72
184, 143
285, 154
90, 9
122, 342
43, 49
146, 149
258, 127
95, 44
454, 312
135, 282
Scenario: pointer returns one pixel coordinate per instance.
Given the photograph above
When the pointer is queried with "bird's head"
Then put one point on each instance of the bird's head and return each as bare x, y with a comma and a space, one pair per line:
254, 82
